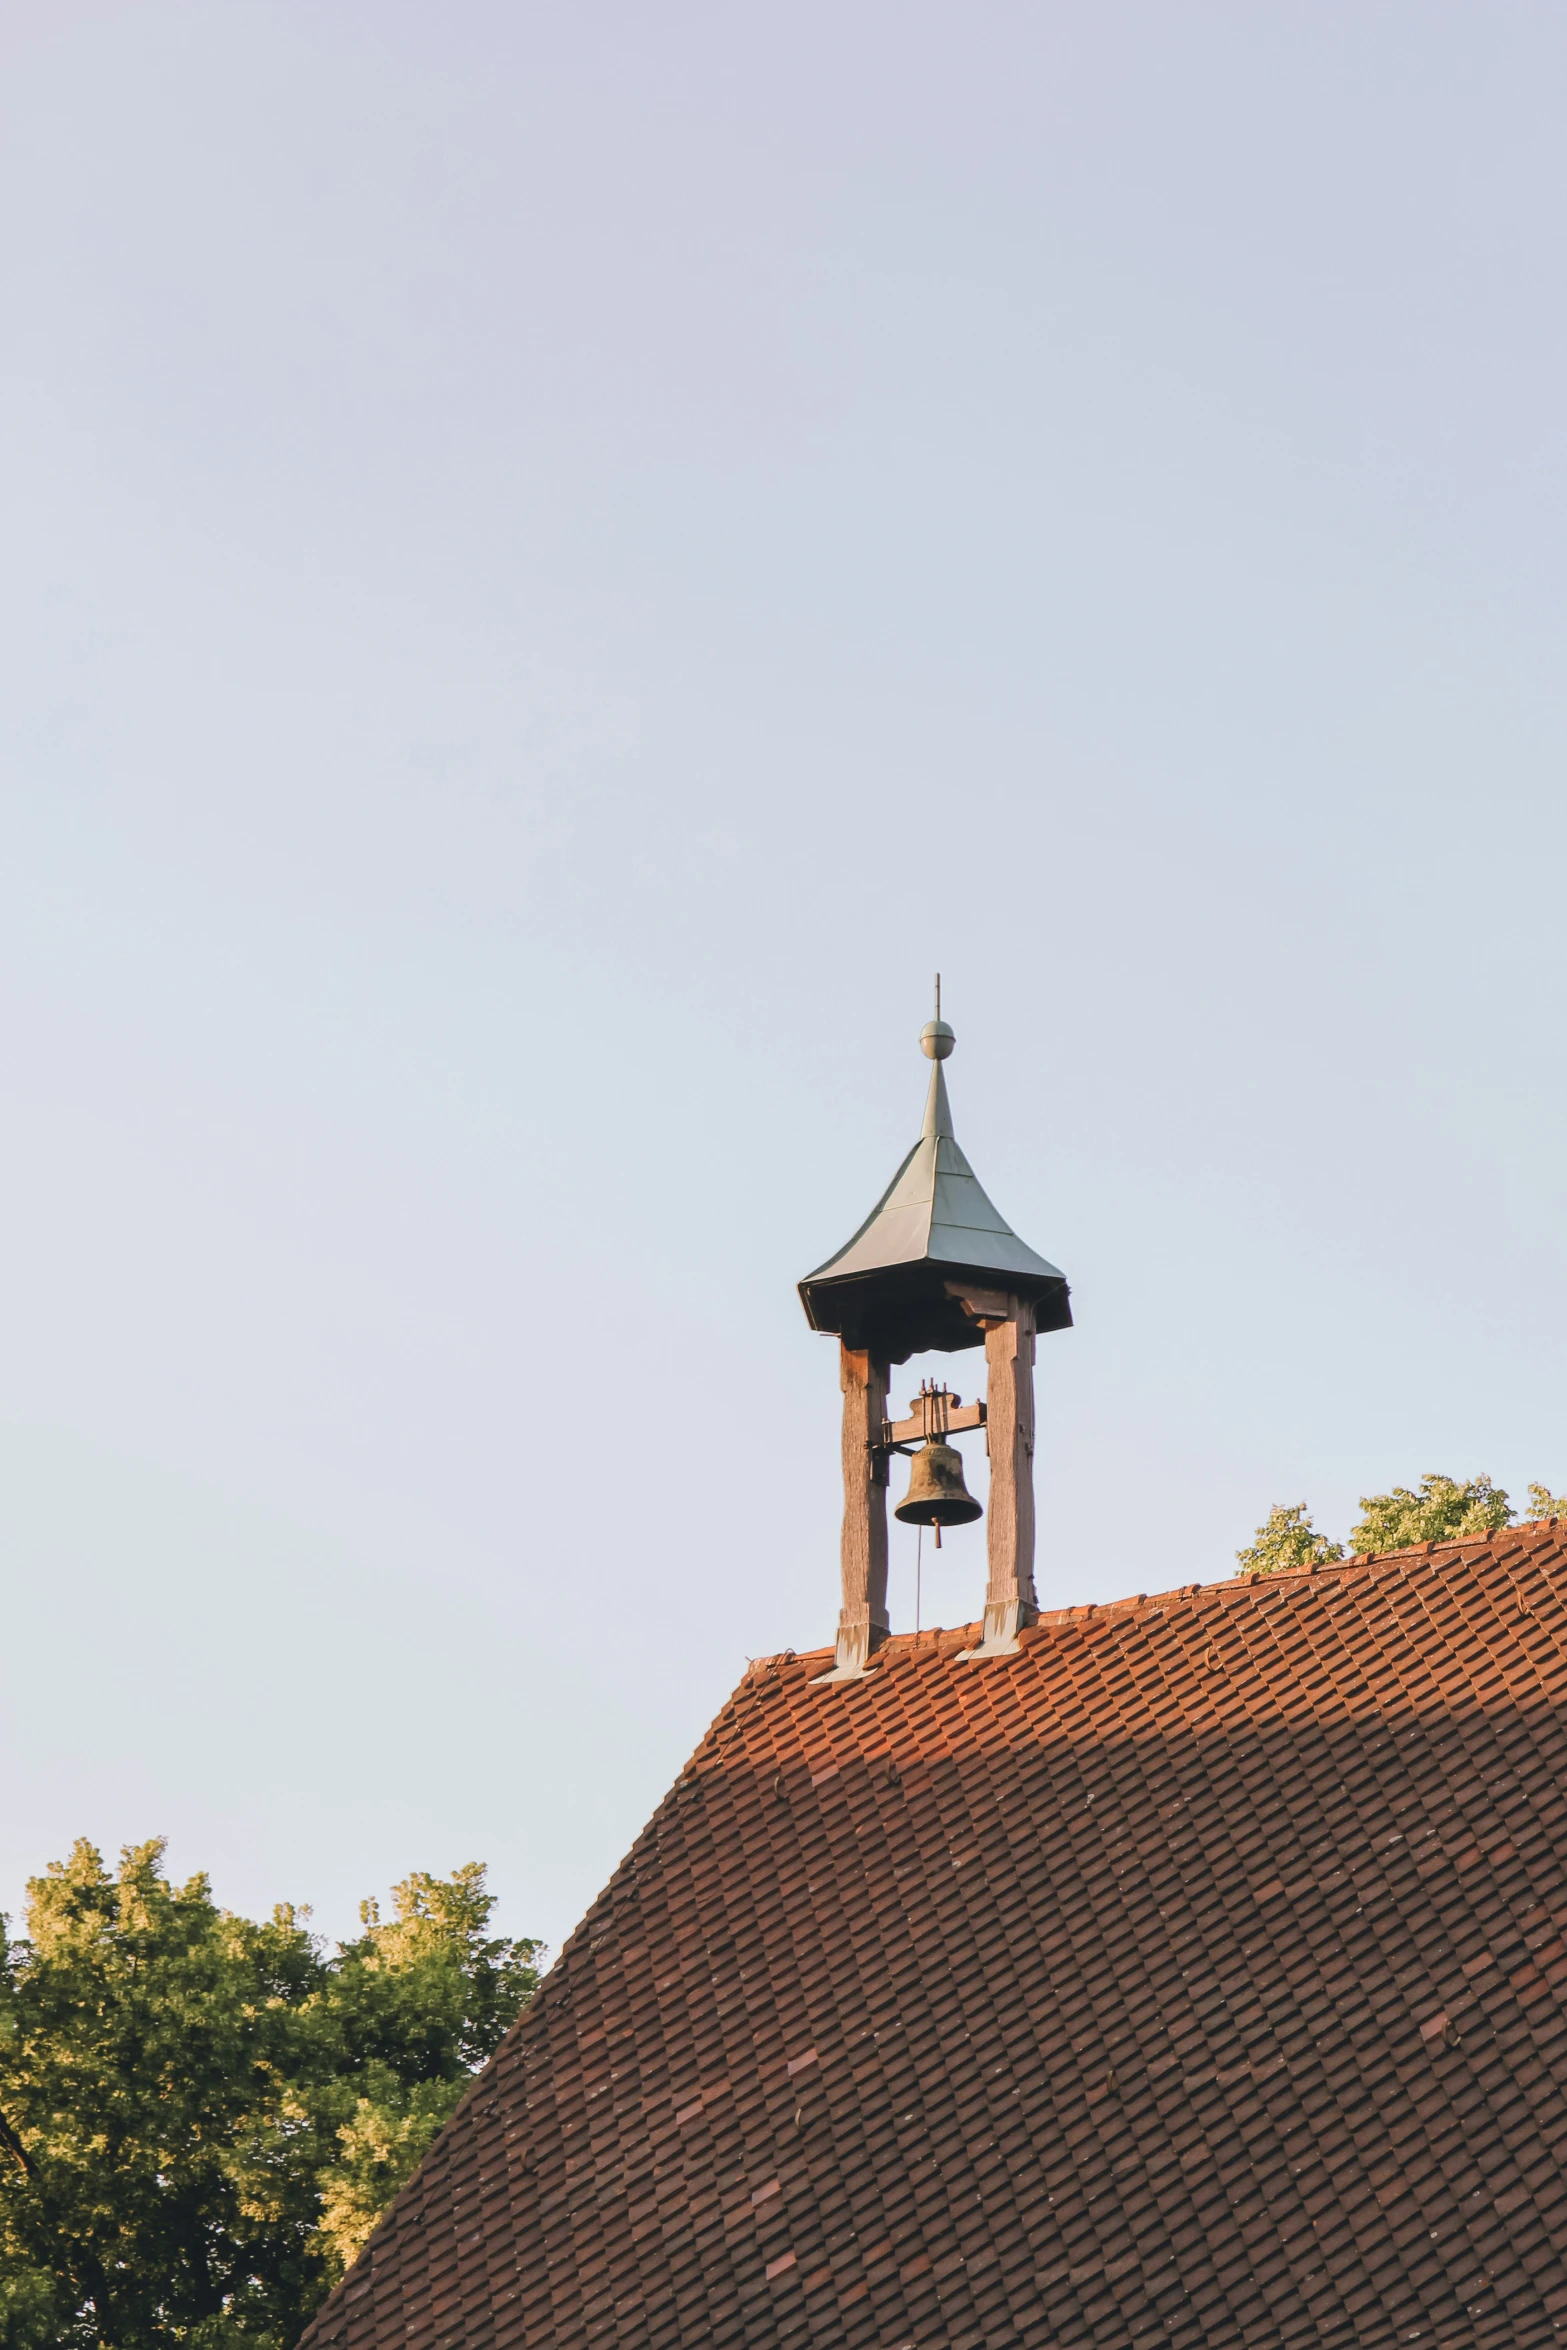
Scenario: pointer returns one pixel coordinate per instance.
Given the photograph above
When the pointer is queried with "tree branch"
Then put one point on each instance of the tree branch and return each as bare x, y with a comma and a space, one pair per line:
10, 2140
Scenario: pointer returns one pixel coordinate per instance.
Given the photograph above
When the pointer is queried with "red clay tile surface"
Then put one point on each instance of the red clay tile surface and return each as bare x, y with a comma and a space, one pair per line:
1194, 1977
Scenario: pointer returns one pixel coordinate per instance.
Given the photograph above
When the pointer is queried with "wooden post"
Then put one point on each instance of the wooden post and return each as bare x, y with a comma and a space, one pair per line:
1010, 1602
863, 1624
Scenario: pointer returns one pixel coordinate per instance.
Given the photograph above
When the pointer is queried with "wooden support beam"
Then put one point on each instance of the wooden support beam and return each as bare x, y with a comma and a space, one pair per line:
863, 1622
1010, 1602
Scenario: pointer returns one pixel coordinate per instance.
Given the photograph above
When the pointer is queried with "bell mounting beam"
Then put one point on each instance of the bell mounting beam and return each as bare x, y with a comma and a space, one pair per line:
933, 1414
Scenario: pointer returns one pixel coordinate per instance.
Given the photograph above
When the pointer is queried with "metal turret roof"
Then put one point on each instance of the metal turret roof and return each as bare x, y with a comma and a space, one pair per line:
887, 1288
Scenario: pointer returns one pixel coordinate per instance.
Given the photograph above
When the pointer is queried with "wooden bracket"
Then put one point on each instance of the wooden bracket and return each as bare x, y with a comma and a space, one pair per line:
984, 1306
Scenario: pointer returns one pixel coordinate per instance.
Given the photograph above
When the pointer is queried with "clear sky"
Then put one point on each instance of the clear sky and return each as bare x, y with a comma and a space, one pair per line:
557, 562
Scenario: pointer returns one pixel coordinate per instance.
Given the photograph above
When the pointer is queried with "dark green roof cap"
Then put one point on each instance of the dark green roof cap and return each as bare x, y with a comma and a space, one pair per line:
888, 1287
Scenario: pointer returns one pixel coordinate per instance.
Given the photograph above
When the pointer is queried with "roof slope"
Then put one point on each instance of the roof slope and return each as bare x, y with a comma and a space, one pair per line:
1194, 1977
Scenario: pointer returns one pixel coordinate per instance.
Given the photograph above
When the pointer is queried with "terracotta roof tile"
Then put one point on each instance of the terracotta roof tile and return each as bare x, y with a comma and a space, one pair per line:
1198, 1976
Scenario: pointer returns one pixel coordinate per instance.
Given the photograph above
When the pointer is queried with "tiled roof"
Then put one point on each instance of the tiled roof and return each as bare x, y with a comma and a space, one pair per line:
1194, 1977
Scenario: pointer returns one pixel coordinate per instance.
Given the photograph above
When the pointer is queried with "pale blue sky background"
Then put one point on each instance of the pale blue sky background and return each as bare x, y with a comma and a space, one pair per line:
556, 562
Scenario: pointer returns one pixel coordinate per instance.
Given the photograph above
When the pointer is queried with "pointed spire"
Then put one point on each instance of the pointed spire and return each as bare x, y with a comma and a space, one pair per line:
891, 1285
937, 1041
938, 1110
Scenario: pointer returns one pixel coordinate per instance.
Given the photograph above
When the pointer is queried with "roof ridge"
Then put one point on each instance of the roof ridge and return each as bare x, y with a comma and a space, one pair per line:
1536, 1530
1531, 1533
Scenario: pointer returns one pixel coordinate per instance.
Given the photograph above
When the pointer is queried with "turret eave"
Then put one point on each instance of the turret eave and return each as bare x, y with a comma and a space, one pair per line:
905, 1309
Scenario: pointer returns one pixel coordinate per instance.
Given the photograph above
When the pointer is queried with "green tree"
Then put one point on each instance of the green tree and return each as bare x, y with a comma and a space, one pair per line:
1442, 1511
1288, 1539
423, 2000
201, 2117
1543, 1503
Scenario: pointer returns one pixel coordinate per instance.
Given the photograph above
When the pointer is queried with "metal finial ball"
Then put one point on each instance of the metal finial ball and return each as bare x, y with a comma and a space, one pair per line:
936, 1040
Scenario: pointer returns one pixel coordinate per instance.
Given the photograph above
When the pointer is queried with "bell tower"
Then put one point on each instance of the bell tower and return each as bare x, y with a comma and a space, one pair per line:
935, 1269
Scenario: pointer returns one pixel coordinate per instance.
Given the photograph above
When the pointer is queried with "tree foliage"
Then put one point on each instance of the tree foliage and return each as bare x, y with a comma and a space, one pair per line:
1441, 1511
1288, 1539
202, 2117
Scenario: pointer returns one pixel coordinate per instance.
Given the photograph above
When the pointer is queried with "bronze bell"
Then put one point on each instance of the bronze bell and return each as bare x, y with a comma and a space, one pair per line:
937, 1495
